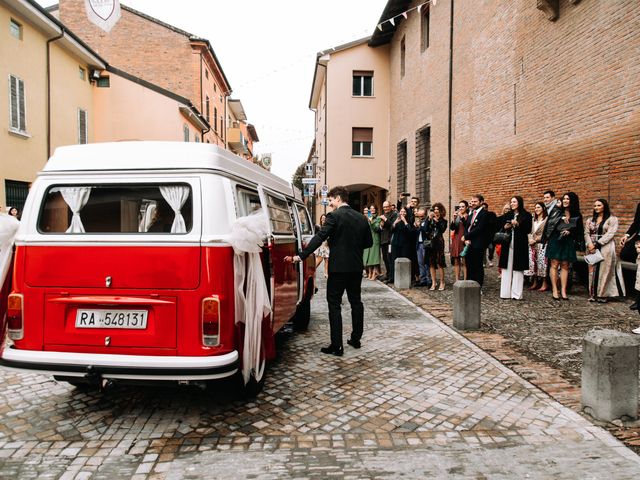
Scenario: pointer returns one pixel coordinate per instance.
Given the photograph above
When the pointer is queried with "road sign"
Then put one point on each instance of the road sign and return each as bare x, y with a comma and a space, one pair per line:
324, 189
309, 190
310, 181
325, 202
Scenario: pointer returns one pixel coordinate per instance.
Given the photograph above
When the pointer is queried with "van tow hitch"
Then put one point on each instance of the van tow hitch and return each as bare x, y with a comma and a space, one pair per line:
92, 376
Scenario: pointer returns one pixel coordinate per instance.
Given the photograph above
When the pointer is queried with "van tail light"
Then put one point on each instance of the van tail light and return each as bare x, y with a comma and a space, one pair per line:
15, 323
210, 321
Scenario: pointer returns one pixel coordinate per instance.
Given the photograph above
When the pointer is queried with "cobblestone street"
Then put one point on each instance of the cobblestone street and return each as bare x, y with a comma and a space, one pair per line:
417, 401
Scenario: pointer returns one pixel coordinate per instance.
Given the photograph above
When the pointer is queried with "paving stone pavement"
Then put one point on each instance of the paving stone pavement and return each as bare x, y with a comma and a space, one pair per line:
417, 401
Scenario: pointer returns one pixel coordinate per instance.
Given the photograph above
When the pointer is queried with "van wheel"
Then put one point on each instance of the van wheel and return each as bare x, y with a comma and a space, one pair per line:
302, 315
235, 383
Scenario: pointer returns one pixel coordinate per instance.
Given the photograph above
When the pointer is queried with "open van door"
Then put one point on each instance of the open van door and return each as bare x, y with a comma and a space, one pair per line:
304, 235
282, 243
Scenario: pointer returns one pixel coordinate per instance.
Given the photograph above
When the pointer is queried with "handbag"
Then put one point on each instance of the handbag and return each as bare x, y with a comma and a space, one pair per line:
594, 257
502, 238
427, 243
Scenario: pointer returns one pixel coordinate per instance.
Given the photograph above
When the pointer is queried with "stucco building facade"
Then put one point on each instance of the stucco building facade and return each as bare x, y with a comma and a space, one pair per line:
186, 66
350, 97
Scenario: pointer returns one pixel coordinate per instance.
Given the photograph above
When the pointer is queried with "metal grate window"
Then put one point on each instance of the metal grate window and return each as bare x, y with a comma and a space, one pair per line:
82, 127
423, 165
402, 167
16, 193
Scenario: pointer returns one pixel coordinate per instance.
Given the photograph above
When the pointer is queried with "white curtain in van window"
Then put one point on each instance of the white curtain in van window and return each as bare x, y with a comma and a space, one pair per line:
252, 303
76, 198
176, 196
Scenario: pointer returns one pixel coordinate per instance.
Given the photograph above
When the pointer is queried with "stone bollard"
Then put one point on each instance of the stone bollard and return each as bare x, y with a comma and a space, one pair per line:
402, 273
610, 374
466, 305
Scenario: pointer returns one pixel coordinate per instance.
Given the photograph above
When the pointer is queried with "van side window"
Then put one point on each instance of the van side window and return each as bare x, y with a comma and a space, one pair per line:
129, 209
279, 216
305, 221
248, 202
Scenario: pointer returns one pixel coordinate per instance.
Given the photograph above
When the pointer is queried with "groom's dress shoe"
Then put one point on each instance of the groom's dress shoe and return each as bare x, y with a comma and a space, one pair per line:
331, 350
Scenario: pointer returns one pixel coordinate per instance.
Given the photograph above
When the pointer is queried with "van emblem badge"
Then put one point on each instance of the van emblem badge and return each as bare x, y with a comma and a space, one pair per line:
107, 282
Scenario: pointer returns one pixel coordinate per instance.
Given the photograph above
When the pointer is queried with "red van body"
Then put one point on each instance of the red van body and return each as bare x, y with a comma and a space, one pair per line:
123, 268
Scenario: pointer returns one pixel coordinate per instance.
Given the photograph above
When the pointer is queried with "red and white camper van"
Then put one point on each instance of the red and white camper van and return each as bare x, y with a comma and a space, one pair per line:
123, 268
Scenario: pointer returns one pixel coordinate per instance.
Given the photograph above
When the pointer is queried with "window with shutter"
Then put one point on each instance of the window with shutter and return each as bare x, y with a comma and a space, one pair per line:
401, 166
21, 106
362, 84
17, 104
423, 164
13, 104
82, 126
362, 142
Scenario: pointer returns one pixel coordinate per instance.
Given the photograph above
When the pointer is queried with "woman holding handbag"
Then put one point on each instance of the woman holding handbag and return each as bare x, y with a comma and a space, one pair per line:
563, 235
457, 244
514, 257
605, 276
436, 226
537, 261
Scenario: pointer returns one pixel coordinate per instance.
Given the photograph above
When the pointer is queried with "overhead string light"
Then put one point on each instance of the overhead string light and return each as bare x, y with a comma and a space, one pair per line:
405, 14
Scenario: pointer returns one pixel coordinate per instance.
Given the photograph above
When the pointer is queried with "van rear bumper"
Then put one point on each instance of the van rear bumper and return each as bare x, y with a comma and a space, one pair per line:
125, 367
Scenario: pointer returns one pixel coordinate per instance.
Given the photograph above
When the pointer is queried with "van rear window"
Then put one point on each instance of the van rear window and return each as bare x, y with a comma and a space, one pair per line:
134, 209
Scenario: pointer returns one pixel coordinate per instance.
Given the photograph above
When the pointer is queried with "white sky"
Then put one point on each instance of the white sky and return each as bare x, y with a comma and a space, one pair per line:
267, 49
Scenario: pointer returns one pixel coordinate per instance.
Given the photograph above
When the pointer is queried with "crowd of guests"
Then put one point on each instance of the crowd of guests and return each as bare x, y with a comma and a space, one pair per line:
538, 248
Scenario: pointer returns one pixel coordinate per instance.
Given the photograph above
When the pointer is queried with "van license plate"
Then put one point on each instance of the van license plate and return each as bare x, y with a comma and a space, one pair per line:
128, 319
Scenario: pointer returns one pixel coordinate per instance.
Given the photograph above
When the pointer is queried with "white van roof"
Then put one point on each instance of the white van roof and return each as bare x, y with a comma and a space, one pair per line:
143, 155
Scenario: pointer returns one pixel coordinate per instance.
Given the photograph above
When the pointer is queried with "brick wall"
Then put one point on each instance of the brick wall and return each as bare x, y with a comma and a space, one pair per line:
537, 104
571, 86
137, 46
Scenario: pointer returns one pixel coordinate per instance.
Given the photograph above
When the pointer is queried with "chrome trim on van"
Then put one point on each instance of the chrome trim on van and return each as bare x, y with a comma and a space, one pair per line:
139, 367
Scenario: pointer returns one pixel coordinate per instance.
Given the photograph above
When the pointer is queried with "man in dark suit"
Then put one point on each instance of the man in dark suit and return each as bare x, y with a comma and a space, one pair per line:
386, 223
348, 234
628, 252
476, 236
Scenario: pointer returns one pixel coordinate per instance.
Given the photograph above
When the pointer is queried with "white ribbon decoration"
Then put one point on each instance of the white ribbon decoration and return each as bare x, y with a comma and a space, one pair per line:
251, 306
175, 196
76, 198
8, 228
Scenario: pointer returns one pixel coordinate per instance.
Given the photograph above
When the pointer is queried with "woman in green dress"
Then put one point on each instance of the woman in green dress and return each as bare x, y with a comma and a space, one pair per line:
371, 256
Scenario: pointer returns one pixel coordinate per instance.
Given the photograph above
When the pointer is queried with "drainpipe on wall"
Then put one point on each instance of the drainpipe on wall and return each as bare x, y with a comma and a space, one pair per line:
49, 42
201, 96
326, 114
450, 98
